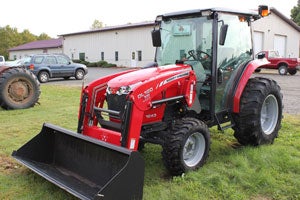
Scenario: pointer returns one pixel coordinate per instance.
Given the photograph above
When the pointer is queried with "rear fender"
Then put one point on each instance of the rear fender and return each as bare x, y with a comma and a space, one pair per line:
250, 68
3, 68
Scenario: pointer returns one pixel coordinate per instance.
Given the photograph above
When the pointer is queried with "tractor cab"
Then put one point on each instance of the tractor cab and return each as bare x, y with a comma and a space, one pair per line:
216, 43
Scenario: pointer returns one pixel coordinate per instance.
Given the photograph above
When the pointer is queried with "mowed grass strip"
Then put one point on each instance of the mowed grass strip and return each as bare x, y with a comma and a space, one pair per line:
231, 172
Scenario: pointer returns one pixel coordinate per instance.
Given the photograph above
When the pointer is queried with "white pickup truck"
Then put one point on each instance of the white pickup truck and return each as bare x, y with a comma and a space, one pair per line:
2, 60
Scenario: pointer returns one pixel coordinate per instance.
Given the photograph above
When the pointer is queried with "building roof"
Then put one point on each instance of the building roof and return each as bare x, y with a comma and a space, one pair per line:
110, 28
151, 23
284, 18
39, 44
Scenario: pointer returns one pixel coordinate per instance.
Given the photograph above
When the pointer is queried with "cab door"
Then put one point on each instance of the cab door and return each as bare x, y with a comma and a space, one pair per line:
232, 57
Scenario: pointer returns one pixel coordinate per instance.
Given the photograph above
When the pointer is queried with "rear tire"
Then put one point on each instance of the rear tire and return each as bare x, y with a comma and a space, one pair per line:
260, 114
19, 89
292, 71
186, 146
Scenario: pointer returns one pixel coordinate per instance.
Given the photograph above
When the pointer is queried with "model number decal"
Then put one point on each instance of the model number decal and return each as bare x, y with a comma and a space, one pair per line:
146, 94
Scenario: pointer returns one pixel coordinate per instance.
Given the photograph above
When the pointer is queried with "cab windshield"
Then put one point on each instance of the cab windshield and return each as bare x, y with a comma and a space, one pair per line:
185, 39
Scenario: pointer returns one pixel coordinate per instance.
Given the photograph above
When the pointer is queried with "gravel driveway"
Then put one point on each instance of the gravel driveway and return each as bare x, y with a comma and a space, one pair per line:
290, 88
290, 85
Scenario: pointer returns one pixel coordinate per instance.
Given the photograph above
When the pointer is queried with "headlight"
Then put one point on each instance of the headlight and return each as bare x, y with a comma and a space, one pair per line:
124, 90
120, 91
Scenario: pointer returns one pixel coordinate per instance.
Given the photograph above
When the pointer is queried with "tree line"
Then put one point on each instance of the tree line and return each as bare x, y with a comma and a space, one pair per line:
295, 13
10, 37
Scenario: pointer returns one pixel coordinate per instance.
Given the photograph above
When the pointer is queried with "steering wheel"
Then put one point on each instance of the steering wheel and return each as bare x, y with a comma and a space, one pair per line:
197, 56
204, 60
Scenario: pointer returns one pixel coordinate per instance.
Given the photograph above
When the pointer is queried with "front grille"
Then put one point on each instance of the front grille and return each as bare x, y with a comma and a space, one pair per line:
116, 102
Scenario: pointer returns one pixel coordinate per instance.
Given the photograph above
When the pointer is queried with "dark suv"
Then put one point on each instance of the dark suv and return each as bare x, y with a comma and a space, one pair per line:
46, 66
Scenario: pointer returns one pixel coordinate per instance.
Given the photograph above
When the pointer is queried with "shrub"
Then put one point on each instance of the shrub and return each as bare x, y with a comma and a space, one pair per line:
76, 61
93, 64
101, 63
109, 65
84, 62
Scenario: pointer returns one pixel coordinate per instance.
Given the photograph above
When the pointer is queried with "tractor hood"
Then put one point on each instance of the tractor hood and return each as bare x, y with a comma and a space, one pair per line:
135, 78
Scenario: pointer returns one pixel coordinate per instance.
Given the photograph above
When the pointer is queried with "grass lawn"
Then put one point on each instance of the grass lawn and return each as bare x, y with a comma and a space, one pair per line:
266, 172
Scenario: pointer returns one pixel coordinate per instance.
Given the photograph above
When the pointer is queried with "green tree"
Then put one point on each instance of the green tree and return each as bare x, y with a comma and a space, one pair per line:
43, 36
27, 36
10, 37
97, 24
295, 13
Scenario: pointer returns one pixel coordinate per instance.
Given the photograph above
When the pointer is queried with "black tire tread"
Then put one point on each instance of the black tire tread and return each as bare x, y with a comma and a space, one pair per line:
248, 128
26, 75
174, 144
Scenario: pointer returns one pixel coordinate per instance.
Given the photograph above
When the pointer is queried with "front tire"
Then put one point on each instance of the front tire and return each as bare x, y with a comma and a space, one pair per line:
186, 146
282, 70
260, 114
79, 74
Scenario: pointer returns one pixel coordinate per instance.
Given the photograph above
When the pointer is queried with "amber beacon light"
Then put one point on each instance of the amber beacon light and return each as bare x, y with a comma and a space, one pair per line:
263, 10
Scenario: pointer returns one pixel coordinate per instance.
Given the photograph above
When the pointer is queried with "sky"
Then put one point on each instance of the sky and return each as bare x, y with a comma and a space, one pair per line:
58, 17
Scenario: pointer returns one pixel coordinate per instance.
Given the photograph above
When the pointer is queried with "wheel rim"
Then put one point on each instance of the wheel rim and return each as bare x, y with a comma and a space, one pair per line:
20, 91
269, 114
79, 74
194, 149
282, 70
44, 77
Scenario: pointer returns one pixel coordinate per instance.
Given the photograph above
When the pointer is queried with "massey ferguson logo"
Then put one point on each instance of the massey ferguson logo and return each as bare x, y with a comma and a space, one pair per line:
173, 78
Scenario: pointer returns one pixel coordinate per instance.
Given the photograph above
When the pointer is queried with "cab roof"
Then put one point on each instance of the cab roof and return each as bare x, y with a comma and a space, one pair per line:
217, 9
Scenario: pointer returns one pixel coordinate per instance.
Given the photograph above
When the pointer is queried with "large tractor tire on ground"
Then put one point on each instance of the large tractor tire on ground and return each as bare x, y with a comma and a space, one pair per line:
19, 88
260, 113
186, 146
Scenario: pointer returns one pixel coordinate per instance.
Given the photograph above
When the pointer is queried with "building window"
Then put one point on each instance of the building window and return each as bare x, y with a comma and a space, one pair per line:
82, 56
102, 55
139, 55
116, 56
45, 50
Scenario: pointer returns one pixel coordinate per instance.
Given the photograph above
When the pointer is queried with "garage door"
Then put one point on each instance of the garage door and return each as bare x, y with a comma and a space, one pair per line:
258, 41
280, 44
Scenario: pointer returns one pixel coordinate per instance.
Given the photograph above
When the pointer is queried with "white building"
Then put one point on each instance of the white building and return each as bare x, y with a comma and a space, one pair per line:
276, 32
128, 45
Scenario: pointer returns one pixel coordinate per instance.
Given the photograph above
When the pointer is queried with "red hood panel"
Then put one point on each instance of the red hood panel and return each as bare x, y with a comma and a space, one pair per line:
143, 75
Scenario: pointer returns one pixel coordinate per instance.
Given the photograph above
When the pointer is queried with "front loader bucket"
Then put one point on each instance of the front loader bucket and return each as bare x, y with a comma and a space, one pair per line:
83, 166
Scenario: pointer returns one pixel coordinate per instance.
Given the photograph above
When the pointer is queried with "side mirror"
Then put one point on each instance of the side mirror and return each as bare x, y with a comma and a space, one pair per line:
261, 55
223, 33
156, 38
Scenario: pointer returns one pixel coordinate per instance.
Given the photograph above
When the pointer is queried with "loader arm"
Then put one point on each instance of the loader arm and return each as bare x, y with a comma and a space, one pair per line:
93, 94
121, 128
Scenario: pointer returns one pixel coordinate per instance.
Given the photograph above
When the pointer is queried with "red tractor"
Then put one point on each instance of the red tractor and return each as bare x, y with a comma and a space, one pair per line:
201, 78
